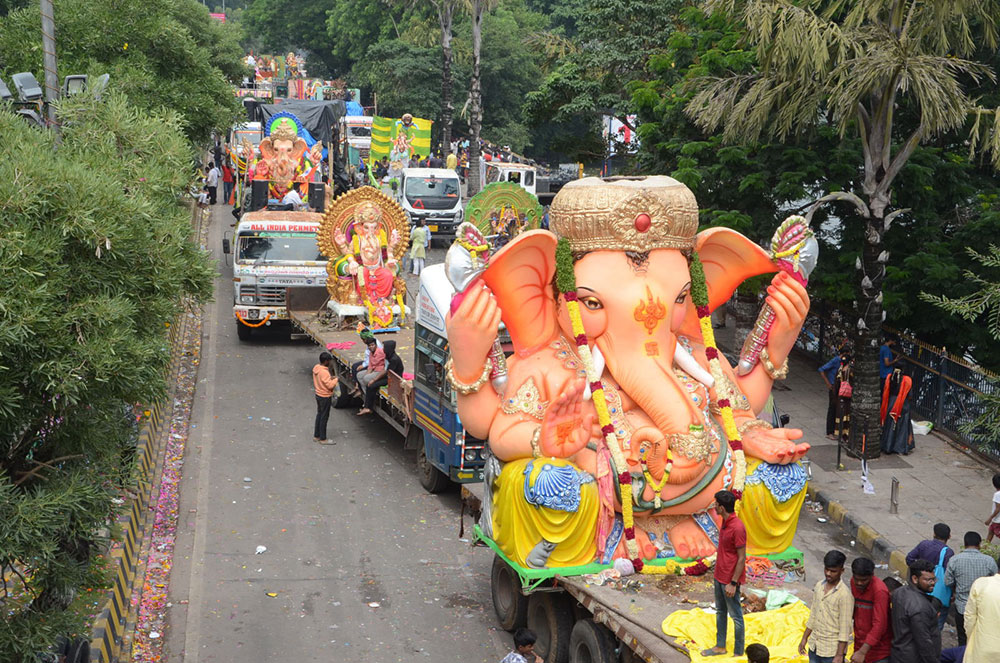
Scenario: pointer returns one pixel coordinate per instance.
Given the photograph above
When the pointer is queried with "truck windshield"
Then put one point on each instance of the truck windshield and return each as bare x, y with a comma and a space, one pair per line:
253, 136
359, 131
278, 247
431, 192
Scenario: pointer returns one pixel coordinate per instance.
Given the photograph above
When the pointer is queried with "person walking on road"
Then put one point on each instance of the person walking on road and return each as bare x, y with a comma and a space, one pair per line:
872, 635
212, 182
729, 575
227, 183
982, 615
324, 383
524, 648
916, 637
829, 372
419, 238
964, 569
993, 522
937, 553
830, 615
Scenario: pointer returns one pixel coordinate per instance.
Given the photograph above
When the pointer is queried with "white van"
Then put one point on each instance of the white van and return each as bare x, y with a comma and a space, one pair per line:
434, 195
519, 173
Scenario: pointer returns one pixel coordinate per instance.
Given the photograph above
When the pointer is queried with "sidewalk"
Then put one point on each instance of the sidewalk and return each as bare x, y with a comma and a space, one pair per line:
938, 482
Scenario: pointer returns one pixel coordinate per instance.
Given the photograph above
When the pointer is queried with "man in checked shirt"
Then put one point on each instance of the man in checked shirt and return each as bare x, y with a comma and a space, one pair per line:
830, 615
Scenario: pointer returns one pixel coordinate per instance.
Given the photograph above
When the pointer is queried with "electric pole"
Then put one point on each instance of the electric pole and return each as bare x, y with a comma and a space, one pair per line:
49, 60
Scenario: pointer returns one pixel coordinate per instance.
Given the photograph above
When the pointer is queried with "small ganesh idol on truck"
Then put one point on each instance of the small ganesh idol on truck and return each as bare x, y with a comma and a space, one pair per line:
620, 418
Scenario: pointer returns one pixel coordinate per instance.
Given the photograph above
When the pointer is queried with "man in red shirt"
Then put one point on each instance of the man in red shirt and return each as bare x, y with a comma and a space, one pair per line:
872, 633
730, 574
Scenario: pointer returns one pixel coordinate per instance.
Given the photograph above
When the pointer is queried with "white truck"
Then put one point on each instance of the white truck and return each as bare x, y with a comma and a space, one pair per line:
518, 173
271, 251
252, 132
434, 195
356, 132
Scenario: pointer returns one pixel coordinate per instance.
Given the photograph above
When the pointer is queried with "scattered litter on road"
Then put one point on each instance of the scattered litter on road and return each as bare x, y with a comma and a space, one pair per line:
247, 479
154, 634
261, 550
374, 604
821, 520
271, 594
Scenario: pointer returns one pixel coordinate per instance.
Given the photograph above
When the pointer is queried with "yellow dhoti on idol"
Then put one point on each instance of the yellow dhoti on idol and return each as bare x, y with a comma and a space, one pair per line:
772, 498
545, 513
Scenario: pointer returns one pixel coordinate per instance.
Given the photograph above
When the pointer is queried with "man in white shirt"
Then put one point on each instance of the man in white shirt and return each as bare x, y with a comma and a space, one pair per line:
212, 182
293, 198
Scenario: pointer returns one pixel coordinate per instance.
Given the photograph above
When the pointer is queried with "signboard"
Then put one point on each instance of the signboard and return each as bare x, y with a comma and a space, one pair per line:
218, 17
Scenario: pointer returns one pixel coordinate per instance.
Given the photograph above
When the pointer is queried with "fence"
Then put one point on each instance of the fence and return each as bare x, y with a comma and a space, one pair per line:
947, 391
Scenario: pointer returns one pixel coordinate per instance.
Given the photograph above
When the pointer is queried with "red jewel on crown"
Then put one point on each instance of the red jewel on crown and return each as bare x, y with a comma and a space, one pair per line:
643, 222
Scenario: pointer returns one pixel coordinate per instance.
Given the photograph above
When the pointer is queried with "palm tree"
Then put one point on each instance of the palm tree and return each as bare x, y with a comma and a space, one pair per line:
476, 9
446, 12
850, 63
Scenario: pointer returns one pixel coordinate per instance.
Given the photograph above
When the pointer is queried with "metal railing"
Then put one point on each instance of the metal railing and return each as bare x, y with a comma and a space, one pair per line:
947, 391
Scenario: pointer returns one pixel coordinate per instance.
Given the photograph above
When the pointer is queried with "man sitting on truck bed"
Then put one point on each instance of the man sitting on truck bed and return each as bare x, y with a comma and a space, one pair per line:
375, 380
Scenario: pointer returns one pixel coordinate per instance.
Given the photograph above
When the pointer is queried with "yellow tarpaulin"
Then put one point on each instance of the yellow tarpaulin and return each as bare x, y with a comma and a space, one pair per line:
779, 630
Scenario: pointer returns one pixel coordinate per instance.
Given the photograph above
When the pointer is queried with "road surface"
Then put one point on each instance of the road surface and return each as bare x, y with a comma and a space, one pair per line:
356, 568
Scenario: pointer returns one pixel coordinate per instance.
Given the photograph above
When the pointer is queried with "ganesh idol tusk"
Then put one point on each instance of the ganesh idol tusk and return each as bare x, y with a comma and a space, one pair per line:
795, 251
686, 361
595, 352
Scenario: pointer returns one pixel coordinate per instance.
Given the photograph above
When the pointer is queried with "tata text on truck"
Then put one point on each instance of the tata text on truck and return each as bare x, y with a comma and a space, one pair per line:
272, 250
434, 195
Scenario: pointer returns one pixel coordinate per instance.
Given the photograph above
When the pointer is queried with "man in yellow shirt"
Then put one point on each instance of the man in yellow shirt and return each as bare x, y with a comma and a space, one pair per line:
451, 162
831, 615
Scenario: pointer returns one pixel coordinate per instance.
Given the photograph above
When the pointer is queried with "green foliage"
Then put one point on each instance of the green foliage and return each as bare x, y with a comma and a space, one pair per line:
95, 258
615, 41
163, 54
406, 78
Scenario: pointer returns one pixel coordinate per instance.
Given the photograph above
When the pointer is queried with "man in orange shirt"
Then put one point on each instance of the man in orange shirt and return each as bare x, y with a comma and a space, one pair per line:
323, 383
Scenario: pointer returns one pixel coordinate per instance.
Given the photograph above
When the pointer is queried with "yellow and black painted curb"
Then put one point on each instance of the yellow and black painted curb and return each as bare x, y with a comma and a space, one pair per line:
110, 624
865, 536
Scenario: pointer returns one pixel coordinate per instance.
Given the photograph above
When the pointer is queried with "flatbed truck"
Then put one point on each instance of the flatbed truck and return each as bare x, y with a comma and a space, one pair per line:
422, 409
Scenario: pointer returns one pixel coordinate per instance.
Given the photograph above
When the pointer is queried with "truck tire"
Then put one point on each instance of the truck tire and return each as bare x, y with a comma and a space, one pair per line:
551, 618
242, 331
431, 478
509, 603
589, 642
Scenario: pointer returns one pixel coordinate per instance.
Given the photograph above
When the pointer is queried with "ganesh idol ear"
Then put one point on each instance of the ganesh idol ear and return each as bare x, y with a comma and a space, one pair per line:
520, 277
729, 259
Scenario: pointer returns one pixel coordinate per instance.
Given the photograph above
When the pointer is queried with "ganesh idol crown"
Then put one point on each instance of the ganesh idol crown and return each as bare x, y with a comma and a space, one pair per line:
620, 417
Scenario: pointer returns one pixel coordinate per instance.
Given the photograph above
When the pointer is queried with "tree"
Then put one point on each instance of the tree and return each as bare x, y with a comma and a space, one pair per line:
613, 42
476, 10
163, 54
405, 77
850, 65
446, 13
95, 262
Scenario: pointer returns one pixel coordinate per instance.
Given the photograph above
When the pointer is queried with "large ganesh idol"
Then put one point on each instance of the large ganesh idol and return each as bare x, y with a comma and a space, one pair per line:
285, 156
364, 233
616, 390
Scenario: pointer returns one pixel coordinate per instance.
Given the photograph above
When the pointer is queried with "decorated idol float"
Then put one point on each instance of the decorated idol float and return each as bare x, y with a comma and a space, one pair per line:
618, 418
286, 156
364, 233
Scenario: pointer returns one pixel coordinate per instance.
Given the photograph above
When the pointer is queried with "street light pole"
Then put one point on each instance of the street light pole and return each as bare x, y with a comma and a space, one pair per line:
49, 59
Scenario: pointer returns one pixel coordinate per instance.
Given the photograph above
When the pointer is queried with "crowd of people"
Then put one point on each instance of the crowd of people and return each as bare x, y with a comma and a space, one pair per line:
368, 375
888, 621
897, 427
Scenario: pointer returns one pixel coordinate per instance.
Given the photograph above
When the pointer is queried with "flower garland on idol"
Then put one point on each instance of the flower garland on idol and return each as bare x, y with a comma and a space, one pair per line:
566, 284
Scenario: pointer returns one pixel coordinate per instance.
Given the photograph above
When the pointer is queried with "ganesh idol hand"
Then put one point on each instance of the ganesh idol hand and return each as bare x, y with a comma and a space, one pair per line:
790, 302
565, 428
471, 330
774, 445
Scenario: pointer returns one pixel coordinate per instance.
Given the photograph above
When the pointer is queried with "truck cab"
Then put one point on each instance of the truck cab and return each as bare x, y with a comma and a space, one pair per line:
450, 452
272, 250
519, 173
252, 132
356, 130
434, 195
